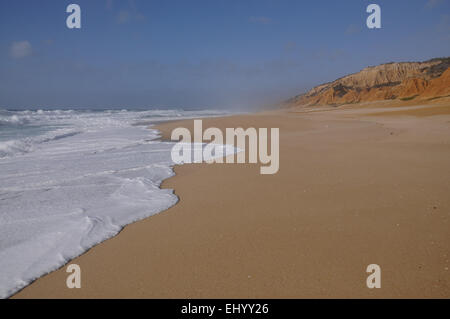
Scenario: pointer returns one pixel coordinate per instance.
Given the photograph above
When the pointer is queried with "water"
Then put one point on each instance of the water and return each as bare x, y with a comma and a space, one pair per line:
71, 179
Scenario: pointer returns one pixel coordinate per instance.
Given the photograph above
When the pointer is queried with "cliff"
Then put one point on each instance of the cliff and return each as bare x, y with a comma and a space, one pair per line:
392, 81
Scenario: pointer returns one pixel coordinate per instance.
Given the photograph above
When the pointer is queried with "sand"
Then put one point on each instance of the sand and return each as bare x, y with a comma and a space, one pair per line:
352, 190
420, 112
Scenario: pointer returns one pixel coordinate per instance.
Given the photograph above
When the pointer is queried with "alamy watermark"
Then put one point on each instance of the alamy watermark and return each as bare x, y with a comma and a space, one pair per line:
74, 279
374, 279
73, 21
195, 150
373, 21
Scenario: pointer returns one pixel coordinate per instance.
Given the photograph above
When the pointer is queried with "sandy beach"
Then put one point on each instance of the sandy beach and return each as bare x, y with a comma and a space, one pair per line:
353, 189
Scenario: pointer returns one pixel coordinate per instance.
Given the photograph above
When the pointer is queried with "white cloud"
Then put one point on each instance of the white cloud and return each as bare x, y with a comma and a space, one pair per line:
21, 49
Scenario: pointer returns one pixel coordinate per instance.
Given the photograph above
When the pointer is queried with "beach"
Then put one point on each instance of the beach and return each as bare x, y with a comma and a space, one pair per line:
356, 186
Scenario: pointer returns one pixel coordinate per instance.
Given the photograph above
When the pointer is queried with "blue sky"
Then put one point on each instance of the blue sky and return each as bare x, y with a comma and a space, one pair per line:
201, 53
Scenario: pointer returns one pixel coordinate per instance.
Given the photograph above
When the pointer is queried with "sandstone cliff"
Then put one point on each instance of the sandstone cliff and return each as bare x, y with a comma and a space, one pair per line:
392, 81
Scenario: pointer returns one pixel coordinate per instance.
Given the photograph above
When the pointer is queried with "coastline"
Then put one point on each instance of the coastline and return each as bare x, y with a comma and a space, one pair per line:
352, 190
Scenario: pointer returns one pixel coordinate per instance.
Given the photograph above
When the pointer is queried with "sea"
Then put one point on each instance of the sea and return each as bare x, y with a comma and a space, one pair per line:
70, 179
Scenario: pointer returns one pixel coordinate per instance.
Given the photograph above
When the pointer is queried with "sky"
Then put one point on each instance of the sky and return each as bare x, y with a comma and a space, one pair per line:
201, 53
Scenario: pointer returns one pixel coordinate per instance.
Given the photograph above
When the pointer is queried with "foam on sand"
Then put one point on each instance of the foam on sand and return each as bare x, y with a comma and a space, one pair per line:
76, 185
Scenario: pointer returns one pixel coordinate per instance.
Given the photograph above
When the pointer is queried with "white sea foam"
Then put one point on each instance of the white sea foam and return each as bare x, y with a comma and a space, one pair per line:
25, 145
77, 184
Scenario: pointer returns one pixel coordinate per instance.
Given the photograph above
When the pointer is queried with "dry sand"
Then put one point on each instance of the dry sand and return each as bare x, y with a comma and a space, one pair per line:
352, 190
420, 112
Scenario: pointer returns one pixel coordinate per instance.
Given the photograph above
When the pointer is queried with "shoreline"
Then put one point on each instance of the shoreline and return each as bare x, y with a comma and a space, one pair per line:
307, 232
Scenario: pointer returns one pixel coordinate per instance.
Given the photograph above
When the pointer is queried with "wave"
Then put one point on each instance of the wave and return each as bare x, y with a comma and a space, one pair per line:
31, 117
80, 178
13, 120
25, 145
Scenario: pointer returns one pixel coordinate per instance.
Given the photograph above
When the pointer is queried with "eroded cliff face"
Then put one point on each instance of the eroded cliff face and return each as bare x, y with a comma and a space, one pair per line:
404, 81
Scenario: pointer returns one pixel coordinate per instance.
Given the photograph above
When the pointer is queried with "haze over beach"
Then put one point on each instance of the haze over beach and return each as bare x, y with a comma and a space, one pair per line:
357, 125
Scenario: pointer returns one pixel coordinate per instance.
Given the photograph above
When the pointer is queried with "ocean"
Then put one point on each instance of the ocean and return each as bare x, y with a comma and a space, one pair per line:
72, 179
